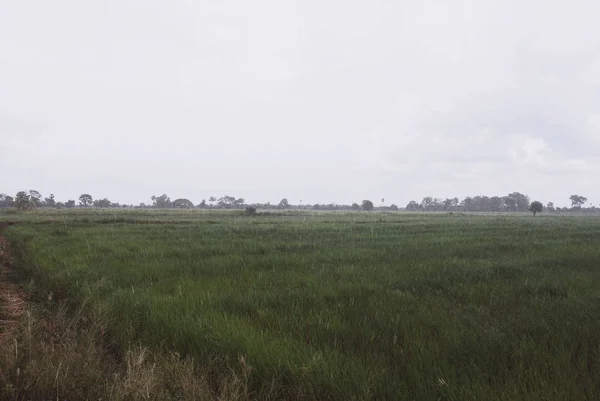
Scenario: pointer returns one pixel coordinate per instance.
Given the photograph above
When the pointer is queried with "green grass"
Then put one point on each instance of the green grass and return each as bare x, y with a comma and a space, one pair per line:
346, 305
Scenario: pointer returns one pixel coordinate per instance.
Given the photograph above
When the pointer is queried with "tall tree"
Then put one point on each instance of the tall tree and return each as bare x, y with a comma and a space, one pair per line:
495, 204
577, 200
509, 203
284, 204
522, 201
467, 204
536, 207
49, 201
85, 200
6, 201
229, 202
367, 205
35, 197
413, 206
426, 203
161, 202
23, 201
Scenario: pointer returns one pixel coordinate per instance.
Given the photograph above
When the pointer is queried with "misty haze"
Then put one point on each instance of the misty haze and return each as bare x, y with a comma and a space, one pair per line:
284, 200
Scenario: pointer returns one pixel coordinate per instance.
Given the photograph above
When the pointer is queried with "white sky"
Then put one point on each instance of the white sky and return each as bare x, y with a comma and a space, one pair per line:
320, 101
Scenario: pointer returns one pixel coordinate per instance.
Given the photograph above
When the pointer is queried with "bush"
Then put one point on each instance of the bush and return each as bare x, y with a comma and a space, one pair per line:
250, 210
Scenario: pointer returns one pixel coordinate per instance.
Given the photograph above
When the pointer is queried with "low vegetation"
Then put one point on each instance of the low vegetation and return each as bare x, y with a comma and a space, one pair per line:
328, 305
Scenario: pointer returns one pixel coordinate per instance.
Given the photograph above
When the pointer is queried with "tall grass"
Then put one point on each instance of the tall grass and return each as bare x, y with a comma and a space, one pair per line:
345, 305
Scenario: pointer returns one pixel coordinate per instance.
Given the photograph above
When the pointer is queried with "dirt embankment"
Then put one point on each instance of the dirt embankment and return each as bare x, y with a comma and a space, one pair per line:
12, 299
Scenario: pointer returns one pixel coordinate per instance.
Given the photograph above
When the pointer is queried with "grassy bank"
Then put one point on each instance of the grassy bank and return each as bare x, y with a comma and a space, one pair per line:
342, 305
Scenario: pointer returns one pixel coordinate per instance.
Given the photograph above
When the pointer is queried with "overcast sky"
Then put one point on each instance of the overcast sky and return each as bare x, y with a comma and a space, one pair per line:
320, 101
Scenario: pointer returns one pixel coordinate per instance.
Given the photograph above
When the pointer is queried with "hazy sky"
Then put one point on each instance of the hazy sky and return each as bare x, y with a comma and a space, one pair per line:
320, 101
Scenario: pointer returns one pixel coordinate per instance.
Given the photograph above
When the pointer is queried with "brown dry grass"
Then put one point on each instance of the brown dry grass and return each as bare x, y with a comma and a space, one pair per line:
11, 297
54, 353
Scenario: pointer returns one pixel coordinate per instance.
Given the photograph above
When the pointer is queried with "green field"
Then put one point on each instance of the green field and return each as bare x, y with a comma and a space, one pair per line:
374, 306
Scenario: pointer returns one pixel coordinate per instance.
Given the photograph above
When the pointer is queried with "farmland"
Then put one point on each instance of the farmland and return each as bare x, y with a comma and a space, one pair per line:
340, 305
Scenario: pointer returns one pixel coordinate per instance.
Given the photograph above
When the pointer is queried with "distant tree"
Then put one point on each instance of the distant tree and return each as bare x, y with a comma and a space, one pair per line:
6, 201
550, 207
522, 201
367, 205
284, 204
85, 200
23, 201
102, 203
202, 204
536, 207
393, 207
49, 201
183, 203
226, 202
70, 203
495, 204
230, 202
426, 203
413, 206
509, 203
251, 210
577, 200
212, 200
161, 202
448, 204
35, 197
467, 204
355, 206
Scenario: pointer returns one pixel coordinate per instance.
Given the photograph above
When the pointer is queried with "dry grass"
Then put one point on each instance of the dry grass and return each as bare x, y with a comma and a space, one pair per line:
11, 297
55, 353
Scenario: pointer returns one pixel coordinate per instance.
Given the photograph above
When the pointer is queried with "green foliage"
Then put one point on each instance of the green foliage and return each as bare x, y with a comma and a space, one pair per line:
367, 205
23, 201
230, 202
536, 207
102, 203
284, 204
6, 200
344, 305
182, 204
577, 200
85, 200
50, 201
161, 202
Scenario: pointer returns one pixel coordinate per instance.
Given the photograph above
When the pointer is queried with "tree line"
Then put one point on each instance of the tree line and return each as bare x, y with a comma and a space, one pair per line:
513, 202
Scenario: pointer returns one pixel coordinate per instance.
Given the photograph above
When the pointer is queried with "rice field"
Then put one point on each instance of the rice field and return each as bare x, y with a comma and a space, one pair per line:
366, 306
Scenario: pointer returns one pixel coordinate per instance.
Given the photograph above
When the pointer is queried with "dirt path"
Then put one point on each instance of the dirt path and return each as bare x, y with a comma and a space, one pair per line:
12, 299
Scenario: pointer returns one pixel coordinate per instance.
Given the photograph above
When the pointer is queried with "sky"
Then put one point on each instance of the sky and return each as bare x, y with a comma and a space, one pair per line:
317, 101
